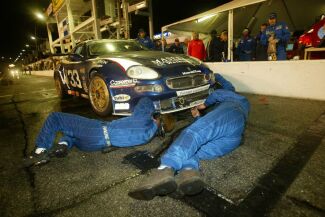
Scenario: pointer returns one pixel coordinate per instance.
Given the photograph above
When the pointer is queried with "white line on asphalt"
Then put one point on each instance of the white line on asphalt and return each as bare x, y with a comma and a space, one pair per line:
38, 91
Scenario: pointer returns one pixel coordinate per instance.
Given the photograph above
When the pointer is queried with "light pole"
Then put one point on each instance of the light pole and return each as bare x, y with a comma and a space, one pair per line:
39, 16
34, 38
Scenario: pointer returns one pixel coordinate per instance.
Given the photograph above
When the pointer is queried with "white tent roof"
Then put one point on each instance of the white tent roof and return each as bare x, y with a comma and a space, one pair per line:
298, 14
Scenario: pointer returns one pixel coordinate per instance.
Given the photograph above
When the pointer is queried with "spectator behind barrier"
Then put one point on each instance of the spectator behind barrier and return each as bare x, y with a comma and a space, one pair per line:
276, 36
176, 47
196, 47
246, 47
261, 50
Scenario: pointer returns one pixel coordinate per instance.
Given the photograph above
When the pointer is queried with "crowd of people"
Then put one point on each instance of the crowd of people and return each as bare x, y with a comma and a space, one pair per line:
269, 44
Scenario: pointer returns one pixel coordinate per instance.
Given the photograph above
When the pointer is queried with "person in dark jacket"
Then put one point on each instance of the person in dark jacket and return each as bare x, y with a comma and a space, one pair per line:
246, 47
94, 135
213, 135
261, 50
176, 47
221, 47
145, 40
211, 47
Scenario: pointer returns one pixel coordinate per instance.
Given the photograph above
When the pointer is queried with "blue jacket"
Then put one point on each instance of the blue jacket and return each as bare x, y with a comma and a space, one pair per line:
246, 49
146, 41
224, 83
213, 135
137, 129
281, 32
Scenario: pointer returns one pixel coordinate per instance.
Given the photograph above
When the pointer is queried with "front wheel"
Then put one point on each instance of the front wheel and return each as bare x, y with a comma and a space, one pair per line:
99, 96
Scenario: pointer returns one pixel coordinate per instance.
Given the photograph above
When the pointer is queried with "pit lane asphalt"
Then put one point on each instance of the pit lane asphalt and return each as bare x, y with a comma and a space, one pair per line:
277, 171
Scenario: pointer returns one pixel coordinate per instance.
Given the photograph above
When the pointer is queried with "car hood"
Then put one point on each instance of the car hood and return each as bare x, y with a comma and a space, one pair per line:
153, 59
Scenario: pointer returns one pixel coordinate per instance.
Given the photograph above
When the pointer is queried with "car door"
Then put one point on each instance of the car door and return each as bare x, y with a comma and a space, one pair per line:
72, 67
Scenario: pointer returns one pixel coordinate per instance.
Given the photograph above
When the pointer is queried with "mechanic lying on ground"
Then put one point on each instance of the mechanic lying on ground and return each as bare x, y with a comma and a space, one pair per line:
94, 135
210, 136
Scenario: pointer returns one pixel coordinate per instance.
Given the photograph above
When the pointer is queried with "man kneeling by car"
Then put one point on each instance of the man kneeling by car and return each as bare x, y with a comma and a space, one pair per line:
210, 136
95, 135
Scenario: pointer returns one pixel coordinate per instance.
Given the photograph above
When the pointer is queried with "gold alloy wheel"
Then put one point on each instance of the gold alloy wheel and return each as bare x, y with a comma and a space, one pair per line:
99, 95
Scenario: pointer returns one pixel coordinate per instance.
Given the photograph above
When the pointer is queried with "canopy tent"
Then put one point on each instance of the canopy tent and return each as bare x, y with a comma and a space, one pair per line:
239, 14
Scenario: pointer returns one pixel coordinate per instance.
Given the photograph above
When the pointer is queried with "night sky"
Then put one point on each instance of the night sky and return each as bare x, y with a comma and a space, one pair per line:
18, 20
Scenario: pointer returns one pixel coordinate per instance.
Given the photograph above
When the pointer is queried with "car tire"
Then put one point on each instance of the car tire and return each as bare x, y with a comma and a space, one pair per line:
99, 96
59, 88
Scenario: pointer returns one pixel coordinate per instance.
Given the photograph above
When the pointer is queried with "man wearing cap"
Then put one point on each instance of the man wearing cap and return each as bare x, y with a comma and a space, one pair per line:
276, 33
145, 40
94, 135
213, 135
176, 47
246, 47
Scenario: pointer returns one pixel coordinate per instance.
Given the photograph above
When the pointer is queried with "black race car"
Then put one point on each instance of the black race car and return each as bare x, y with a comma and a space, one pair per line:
115, 74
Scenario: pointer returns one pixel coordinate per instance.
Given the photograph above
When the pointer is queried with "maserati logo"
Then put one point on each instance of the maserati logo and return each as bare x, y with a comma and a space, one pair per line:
181, 100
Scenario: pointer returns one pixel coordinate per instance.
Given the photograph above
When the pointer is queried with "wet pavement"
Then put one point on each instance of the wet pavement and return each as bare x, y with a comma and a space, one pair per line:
277, 171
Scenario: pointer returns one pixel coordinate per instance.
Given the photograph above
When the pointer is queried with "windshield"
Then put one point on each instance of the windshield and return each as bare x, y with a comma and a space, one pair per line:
108, 47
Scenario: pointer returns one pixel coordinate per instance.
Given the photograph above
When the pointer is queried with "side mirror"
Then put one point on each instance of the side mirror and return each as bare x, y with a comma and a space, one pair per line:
75, 57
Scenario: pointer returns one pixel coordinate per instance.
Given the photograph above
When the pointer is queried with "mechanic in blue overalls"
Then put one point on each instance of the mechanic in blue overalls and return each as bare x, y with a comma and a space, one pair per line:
94, 135
213, 135
145, 40
246, 47
280, 33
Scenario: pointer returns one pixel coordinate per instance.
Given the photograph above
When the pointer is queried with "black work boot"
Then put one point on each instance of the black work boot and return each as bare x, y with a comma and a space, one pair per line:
37, 159
159, 182
189, 182
61, 151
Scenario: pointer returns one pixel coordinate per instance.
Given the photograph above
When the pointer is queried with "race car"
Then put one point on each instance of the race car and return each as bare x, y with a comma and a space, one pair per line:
115, 74
313, 37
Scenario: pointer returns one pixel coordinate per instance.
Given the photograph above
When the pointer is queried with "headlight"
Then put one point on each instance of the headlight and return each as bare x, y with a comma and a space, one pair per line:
142, 72
149, 88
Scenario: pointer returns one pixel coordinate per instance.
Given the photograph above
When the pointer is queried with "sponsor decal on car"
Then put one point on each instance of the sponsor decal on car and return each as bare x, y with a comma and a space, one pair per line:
122, 106
121, 98
197, 102
123, 83
191, 91
169, 60
191, 72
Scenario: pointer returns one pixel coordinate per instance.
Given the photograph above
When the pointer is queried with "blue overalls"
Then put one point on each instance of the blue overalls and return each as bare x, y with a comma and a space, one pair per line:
281, 32
94, 135
213, 135
246, 49
146, 41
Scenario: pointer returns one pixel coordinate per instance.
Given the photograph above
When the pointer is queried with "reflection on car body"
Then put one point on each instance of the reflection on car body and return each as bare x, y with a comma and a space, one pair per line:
115, 74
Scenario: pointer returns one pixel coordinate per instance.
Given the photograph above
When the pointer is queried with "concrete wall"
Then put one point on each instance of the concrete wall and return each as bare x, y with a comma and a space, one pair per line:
298, 79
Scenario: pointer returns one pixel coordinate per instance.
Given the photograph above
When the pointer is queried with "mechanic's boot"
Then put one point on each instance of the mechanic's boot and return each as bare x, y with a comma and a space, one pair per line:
159, 182
37, 159
189, 182
61, 151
